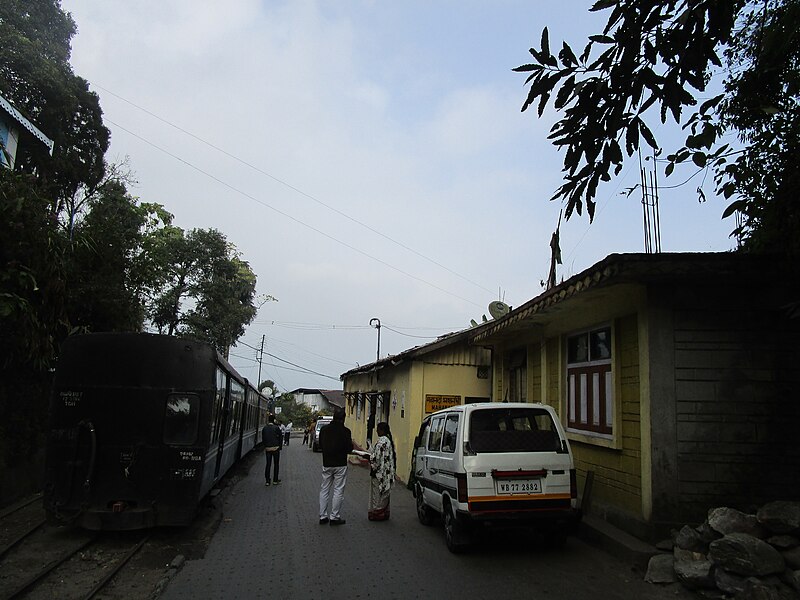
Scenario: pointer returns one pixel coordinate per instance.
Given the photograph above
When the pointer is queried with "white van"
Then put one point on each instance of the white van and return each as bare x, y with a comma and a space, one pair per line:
495, 462
321, 422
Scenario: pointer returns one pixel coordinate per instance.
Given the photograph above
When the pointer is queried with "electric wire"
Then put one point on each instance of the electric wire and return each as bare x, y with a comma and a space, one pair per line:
287, 215
293, 188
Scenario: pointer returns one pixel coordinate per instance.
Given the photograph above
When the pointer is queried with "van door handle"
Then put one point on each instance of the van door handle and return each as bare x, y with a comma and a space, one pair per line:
434, 471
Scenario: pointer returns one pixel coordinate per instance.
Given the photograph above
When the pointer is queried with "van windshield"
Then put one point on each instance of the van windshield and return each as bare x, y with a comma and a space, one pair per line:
513, 430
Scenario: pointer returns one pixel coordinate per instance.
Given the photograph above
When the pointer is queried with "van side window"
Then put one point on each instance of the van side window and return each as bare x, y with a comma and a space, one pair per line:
424, 430
435, 439
449, 436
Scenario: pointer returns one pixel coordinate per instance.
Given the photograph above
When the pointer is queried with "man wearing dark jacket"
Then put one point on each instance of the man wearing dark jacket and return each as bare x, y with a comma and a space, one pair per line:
272, 438
336, 442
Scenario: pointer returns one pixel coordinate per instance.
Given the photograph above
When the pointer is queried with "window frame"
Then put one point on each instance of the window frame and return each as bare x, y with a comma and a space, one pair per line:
590, 403
193, 419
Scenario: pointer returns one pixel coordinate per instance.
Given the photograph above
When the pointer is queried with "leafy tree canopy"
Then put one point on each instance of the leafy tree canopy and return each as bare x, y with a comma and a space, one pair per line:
36, 77
203, 288
654, 60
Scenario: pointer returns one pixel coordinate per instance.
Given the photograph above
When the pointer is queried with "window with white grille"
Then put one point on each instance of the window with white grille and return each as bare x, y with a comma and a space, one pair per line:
590, 382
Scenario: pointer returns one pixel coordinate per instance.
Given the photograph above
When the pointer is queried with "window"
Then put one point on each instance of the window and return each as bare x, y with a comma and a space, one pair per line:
513, 430
590, 389
181, 419
518, 376
435, 440
423, 434
219, 402
237, 400
449, 436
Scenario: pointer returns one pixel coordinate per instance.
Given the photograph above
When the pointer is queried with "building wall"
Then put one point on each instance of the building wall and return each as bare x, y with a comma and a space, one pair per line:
450, 371
620, 491
736, 379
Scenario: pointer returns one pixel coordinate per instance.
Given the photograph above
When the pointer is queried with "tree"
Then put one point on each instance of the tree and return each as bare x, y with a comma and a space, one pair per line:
656, 58
203, 288
107, 268
35, 75
33, 275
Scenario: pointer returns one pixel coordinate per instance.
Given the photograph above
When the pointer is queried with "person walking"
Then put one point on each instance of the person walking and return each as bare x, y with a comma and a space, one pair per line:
382, 464
272, 438
336, 442
306, 432
287, 433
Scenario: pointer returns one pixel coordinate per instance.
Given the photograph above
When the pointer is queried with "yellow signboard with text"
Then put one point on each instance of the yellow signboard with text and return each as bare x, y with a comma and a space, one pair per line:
434, 402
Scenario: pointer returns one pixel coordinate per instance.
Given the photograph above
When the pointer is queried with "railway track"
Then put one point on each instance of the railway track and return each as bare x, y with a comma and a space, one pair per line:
38, 560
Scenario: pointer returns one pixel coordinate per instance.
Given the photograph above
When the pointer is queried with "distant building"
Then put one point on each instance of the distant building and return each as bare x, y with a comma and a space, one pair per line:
15, 128
319, 400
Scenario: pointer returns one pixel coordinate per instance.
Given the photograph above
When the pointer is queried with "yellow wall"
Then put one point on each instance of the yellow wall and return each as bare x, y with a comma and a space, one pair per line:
450, 371
617, 463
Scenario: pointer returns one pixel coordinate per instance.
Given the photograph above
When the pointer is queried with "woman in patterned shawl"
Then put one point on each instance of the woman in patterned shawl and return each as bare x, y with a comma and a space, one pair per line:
382, 463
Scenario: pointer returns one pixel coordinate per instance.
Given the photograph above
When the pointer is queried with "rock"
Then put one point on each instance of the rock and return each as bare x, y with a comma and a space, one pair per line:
660, 569
730, 583
792, 558
794, 580
695, 574
726, 520
783, 542
746, 555
765, 589
680, 554
665, 545
691, 539
707, 534
780, 516
177, 562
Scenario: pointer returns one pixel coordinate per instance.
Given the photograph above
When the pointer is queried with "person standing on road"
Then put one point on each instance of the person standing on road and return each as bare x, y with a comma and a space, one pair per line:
382, 463
336, 442
272, 438
287, 433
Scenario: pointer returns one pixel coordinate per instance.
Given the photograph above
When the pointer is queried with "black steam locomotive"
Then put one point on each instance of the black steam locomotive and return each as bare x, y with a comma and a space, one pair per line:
141, 428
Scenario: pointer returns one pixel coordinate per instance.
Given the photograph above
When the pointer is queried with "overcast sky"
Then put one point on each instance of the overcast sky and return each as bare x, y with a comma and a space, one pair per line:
368, 159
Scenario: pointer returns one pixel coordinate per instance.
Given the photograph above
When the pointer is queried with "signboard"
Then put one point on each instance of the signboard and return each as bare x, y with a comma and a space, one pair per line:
436, 402
278, 410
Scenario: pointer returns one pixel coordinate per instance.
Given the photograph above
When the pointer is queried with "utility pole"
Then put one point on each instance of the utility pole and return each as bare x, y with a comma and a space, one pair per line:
376, 323
260, 358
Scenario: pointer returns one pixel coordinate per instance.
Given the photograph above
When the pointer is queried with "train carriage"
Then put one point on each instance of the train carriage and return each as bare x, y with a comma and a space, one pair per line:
141, 428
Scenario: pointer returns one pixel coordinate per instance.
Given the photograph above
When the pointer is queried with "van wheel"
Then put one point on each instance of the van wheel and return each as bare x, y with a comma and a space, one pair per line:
455, 534
424, 513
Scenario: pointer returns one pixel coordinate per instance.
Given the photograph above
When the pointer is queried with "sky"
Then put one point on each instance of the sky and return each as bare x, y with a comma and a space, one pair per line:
368, 159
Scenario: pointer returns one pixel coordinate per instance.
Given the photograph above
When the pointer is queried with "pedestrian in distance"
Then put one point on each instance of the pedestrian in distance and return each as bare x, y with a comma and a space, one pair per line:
271, 437
306, 432
287, 433
382, 464
336, 442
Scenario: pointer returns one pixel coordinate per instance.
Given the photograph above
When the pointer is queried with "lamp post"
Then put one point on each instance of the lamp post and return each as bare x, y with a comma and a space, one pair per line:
376, 323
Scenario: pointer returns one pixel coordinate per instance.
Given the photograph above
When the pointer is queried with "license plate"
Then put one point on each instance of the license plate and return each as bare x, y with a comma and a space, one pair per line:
519, 486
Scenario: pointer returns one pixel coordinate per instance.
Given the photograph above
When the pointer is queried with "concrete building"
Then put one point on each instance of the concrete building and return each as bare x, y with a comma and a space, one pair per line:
319, 400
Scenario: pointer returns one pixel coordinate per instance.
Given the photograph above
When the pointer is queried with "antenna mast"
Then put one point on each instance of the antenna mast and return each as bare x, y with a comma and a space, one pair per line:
651, 216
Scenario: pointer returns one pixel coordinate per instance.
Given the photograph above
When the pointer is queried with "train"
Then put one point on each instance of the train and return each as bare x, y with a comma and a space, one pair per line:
141, 428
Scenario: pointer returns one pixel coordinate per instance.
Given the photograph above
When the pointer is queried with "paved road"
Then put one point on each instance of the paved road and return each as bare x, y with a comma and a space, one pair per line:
270, 545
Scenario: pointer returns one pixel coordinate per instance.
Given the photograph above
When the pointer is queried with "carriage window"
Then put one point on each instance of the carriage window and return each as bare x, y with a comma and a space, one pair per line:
181, 419
219, 400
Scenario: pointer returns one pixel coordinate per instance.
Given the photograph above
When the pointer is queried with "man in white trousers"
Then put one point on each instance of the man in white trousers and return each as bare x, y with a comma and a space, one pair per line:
336, 442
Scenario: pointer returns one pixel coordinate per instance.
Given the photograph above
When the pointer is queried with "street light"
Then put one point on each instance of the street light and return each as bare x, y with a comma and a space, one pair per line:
376, 323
